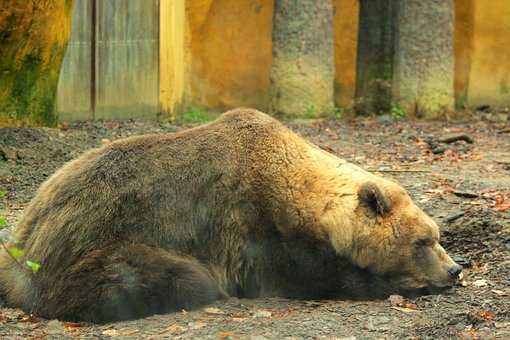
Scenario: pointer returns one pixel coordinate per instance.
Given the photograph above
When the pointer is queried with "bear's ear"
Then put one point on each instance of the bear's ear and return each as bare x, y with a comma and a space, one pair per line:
372, 197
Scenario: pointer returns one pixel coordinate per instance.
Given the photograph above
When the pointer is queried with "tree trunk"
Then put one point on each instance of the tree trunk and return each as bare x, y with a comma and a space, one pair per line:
33, 39
411, 67
302, 72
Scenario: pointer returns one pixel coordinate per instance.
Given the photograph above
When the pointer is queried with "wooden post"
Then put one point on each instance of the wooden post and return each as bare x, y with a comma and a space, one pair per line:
171, 56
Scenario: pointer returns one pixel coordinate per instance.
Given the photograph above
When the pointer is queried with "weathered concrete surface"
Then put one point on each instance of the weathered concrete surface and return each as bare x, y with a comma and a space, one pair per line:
406, 57
424, 60
302, 73
375, 56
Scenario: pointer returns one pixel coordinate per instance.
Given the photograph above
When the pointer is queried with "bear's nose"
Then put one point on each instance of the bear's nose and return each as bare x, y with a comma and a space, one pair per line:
455, 271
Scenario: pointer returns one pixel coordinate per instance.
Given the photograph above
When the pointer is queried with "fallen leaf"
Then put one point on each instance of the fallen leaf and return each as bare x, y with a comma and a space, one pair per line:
73, 324
396, 300
410, 306
501, 204
480, 283
502, 324
487, 315
111, 332
29, 318
399, 301
172, 329
469, 335
406, 310
214, 311
128, 331
262, 314
224, 335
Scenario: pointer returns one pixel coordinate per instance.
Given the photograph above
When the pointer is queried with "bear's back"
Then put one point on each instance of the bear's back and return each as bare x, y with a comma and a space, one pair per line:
163, 188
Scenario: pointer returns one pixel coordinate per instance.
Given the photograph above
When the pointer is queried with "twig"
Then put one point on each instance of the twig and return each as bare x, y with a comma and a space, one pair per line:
466, 194
507, 130
453, 138
454, 216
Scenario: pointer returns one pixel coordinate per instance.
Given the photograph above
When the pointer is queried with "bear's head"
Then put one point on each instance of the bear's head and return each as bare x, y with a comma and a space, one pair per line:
390, 236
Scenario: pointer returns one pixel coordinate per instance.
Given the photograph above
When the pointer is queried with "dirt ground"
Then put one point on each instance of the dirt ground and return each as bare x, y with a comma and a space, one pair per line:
465, 187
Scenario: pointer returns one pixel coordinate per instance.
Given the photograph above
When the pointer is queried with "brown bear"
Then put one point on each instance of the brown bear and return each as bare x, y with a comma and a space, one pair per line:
240, 207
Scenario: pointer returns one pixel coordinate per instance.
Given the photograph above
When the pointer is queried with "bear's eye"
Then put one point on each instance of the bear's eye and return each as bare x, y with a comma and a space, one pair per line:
424, 242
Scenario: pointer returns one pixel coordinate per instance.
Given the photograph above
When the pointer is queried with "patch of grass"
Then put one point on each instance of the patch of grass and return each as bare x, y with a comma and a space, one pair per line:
311, 112
397, 112
338, 112
194, 115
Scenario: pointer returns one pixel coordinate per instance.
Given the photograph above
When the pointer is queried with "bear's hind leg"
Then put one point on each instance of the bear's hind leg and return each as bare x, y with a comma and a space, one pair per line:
128, 282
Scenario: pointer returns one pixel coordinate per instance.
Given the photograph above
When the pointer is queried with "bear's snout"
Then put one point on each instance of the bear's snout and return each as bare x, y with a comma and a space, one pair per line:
455, 271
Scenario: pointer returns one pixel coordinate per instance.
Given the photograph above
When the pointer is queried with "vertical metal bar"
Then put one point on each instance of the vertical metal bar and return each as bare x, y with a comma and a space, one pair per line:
93, 63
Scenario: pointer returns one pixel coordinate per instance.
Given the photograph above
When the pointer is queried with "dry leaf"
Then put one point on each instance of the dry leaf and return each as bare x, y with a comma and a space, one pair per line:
29, 318
487, 315
111, 332
73, 324
410, 306
214, 311
480, 283
172, 329
224, 335
501, 204
406, 310
262, 314
128, 331
396, 300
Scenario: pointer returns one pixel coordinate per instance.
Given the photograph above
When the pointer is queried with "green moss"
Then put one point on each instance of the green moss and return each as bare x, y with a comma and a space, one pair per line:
69, 4
311, 112
503, 87
461, 101
32, 90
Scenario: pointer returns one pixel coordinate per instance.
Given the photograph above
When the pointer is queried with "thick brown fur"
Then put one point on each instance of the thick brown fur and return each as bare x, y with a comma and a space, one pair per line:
241, 206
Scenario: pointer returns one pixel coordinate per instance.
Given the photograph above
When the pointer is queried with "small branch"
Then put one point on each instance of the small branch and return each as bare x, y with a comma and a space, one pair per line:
466, 194
453, 138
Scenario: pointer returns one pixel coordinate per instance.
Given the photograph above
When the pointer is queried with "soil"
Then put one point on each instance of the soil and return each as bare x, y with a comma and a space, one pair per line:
465, 187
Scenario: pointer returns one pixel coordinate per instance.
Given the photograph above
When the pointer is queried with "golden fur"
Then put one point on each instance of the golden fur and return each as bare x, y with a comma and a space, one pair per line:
241, 206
